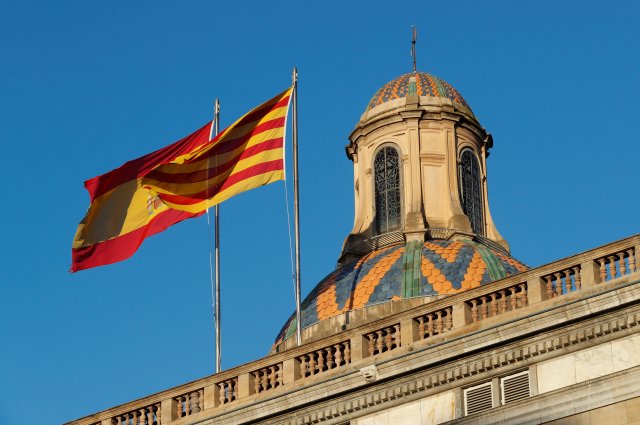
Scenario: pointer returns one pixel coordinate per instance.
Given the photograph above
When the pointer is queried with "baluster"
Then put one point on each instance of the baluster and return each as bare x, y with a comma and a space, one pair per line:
223, 395
567, 281
396, 335
513, 297
632, 262
272, 377
494, 305
483, 307
320, 360
438, 322
264, 379
449, 319
503, 301
256, 381
234, 386
312, 364
421, 327
474, 310
549, 287
304, 366
603, 270
347, 352
141, 417
612, 266
329, 358
430, 324
623, 267
158, 415
371, 347
194, 401
577, 279
338, 355
388, 339
179, 411
523, 294
379, 341
558, 288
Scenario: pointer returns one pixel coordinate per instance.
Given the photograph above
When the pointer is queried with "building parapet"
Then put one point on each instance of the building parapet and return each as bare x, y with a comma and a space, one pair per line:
547, 287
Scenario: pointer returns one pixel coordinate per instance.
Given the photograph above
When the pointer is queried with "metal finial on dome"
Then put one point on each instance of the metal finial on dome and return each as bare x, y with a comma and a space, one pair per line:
414, 38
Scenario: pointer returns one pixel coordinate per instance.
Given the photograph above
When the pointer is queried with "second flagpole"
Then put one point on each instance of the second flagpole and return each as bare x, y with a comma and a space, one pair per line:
216, 220
296, 212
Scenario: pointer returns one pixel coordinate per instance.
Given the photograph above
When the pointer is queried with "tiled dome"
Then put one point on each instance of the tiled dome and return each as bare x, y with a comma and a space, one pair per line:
445, 267
426, 85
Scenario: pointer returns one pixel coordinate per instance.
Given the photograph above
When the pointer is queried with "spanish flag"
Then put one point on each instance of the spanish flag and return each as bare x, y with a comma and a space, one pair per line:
147, 195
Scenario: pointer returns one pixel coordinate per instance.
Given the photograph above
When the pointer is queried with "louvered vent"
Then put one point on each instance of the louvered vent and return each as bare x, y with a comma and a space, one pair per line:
478, 398
515, 387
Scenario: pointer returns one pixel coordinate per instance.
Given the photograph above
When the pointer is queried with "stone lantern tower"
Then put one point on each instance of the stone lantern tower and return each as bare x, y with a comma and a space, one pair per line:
419, 157
422, 227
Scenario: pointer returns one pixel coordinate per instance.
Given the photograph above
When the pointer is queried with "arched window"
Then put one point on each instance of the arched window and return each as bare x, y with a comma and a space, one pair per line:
471, 192
386, 168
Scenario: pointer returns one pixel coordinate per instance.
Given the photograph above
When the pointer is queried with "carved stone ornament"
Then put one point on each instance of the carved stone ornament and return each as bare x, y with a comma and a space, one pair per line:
370, 373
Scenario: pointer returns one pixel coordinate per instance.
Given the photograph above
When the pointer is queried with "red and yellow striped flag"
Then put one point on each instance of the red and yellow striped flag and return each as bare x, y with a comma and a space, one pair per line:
147, 195
248, 154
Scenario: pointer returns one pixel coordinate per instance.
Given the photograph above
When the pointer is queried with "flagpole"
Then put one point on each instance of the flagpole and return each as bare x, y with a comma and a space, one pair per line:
296, 212
216, 220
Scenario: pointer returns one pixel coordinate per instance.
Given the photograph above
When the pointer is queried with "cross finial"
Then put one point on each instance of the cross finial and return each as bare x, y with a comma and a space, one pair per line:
414, 38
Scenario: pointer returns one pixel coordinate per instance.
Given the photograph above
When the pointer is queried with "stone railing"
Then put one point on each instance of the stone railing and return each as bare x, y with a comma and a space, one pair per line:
145, 415
498, 302
383, 340
227, 390
189, 403
434, 323
547, 286
267, 378
617, 264
324, 359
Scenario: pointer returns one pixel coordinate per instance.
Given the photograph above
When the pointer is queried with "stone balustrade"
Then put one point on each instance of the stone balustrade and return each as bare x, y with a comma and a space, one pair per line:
267, 378
498, 302
228, 390
187, 404
149, 415
617, 264
562, 281
435, 323
383, 340
325, 359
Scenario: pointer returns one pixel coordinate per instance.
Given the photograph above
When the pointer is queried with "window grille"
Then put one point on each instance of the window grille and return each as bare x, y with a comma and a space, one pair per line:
387, 190
470, 185
478, 398
514, 387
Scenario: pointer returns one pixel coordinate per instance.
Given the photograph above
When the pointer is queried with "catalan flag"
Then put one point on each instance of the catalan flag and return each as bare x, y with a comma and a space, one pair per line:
147, 195
246, 155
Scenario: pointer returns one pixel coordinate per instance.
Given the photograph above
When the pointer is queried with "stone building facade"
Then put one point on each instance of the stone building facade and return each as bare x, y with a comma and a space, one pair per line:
427, 318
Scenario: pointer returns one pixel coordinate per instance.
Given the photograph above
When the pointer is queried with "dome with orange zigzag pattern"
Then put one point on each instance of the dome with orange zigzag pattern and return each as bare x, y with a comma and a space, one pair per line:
445, 267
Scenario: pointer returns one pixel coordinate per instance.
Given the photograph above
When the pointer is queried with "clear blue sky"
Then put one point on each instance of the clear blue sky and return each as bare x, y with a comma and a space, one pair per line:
86, 86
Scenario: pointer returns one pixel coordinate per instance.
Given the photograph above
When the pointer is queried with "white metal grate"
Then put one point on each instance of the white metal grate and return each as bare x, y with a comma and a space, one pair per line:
514, 387
478, 398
